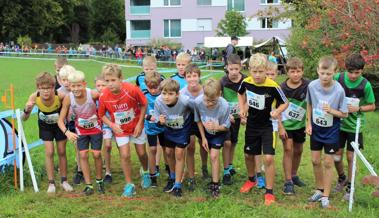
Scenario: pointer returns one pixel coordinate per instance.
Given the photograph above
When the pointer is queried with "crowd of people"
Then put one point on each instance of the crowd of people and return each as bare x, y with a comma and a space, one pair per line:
169, 114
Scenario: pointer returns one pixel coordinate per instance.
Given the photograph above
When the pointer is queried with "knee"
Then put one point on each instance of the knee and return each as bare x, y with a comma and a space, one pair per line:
316, 162
288, 150
62, 152
96, 154
249, 157
125, 156
108, 149
191, 149
214, 157
269, 160
83, 154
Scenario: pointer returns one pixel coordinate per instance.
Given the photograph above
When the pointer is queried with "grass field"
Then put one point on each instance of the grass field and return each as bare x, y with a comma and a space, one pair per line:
153, 202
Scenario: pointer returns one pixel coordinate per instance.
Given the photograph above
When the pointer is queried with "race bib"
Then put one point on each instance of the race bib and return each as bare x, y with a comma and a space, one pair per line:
352, 101
294, 112
255, 101
175, 121
88, 123
234, 109
49, 119
124, 117
321, 118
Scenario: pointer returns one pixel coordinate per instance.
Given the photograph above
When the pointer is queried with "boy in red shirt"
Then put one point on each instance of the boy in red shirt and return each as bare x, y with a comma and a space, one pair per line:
125, 104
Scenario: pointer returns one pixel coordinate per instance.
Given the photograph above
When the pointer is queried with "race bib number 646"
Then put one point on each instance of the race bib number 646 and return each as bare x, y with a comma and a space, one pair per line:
255, 101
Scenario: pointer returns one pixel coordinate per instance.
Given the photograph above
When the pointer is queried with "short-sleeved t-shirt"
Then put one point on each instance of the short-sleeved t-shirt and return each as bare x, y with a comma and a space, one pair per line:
124, 107
152, 128
325, 127
180, 79
230, 93
260, 98
219, 114
294, 117
179, 118
360, 89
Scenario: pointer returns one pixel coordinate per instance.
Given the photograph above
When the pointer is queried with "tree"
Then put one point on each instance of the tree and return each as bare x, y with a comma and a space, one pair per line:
234, 23
108, 14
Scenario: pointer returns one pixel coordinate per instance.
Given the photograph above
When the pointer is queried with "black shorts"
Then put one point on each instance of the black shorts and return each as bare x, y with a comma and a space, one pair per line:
153, 139
347, 138
52, 133
328, 148
216, 141
298, 136
171, 144
234, 131
258, 140
71, 126
95, 140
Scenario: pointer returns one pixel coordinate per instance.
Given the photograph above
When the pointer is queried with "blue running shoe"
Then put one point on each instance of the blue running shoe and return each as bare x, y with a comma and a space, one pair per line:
146, 181
129, 190
261, 182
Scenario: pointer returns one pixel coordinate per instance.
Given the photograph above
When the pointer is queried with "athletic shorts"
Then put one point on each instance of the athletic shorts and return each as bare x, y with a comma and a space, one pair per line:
216, 141
233, 131
52, 133
171, 144
329, 148
298, 136
107, 133
95, 140
124, 140
153, 139
347, 138
260, 140
195, 130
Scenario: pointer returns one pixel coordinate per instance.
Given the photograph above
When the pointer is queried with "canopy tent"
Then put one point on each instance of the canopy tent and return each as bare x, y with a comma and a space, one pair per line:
275, 40
222, 42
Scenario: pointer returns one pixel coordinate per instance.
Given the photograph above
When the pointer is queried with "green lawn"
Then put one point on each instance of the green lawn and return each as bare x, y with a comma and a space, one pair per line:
153, 202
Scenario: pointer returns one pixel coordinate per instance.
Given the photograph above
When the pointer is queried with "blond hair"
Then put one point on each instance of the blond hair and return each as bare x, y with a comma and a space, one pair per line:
45, 78
327, 62
258, 60
272, 66
112, 70
169, 85
153, 79
212, 88
183, 56
65, 71
192, 68
99, 77
149, 60
76, 76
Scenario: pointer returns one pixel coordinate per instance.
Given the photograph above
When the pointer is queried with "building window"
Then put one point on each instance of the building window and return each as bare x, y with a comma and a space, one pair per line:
237, 5
266, 2
268, 23
204, 24
204, 2
172, 28
172, 3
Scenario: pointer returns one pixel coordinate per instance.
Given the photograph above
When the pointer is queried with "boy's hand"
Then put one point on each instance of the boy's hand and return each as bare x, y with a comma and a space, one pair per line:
204, 143
274, 114
326, 107
209, 125
72, 136
29, 106
138, 130
231, 118
283, 133
243, 121
352, 108
162, 119
151, 119
243, 113
116, 128
308, 129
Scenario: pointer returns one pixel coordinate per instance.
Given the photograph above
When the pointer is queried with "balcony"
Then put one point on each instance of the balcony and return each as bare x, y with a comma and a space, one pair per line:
140, 10
140, 34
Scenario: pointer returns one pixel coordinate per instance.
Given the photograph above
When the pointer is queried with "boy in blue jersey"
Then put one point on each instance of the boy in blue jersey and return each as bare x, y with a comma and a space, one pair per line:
153, 131
175, 114
182, 60
149, 65
326, 105
257, 94
212, 117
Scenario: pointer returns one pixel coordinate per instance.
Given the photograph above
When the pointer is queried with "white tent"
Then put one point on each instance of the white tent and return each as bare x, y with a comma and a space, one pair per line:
222, 42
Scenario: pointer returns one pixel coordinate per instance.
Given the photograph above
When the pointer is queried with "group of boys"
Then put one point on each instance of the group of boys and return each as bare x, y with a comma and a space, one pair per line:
170, 113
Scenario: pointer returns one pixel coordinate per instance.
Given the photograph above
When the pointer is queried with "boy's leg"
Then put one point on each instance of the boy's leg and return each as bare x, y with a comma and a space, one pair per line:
268, 143
226, 153
317, 169
49, 160
124, 150
96, 144
328, 174
288, 152
338, 162
153, 143
107, 155
296, 158
270, 171
179, 163
190, 157
215, 160
140, 147
349, 156
62, 158
83, 147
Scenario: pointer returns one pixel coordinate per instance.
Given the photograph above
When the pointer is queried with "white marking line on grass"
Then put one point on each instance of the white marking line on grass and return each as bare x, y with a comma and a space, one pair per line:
45, 59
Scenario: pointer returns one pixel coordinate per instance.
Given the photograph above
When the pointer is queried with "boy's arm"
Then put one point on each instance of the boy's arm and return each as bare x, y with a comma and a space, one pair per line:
276, 113
29, 106
242, 103
282, 131
342, 111
62, 117
308, 129
95, 94
204, 141
139, 127
61, 95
